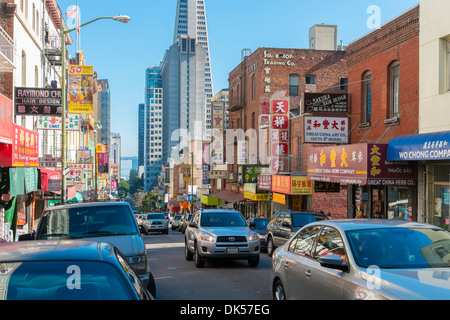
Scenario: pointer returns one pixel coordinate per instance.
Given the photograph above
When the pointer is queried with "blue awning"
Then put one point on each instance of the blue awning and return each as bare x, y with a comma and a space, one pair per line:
427, 146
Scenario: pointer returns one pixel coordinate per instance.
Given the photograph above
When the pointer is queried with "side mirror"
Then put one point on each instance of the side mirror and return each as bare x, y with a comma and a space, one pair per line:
192, 225
286, 224
252, 225
333, 262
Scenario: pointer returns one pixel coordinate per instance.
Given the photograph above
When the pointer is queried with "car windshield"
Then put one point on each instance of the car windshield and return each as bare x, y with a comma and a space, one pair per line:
261, 223
57, 280
177, 217
222, 219
302, 219
83, 222
155, 216
401, 247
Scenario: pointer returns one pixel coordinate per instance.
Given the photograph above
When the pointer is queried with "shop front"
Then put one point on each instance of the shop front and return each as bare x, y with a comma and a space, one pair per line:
376, 187
255, 197
291, 193
431, 153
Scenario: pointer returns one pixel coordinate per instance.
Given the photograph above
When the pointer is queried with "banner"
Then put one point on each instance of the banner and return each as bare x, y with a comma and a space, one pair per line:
55, 123
102, 162
6, 120
80, 89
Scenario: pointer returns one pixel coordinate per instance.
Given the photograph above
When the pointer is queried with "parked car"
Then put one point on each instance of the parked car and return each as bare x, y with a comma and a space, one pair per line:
176, 222
156, 222
260, 227
185, 221
285, 223
67, 270
363, 259
218, 233
111, 222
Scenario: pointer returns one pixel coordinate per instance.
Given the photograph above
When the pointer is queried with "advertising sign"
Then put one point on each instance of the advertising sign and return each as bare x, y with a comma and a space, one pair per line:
265, 182
102, 162
6, 115
281, 184
217, 125
326, 130
364, 164
37, 101
279, 136
55, 123
301, 186
80, 91
83, 156
25, 151
326, 102
251, 173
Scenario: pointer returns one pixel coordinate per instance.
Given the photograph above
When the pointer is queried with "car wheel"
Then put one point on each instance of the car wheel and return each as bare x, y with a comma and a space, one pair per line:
199, 262
187, 253
278, 291
253, 262
270, 247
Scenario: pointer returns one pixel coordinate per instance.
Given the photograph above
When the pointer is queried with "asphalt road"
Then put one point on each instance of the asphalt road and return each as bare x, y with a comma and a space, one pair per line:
178, 279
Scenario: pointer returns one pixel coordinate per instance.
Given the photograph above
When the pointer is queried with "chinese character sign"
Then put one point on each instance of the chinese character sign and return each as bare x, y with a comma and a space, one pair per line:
326, 130
55, 123
25, 148
279, 136
37, 101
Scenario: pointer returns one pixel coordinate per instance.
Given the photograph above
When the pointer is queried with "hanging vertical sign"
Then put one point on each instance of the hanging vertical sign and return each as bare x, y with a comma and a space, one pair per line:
218, 116
279, 136
80, 90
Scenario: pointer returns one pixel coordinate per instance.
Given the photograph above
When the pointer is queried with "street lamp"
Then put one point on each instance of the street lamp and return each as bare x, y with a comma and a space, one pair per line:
120, 18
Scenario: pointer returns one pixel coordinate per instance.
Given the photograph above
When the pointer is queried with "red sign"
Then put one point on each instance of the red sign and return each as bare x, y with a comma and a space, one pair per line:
25, 147
278, 164
264, 182
281, 184
358, 164
6, 114
280, 122
280, 107
280, 149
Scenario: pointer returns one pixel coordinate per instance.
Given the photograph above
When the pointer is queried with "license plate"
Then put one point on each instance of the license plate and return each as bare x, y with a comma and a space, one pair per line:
232, 250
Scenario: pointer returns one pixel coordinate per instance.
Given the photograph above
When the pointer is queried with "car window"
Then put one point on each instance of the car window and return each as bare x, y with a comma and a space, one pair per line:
80, 222
261, 223
63, 280
401, 247
304, 240
287, 218
154, 216
279, 219
222, 219
330, 243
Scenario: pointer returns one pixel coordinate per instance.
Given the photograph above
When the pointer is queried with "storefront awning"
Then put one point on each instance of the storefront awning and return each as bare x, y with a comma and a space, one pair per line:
427, 146
229, 196
364, 164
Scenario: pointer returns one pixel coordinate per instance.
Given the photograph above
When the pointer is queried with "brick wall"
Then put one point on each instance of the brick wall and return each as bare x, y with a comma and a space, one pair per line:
396, 41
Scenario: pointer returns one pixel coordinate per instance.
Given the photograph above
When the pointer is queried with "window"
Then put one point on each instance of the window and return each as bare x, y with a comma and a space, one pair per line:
329, 243
253, 87
394, 81
367, 97
303, 242
294, 80
448, 63
343, 84
310, 79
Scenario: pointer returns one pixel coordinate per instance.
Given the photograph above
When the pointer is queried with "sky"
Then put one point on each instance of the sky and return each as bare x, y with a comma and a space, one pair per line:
121, 52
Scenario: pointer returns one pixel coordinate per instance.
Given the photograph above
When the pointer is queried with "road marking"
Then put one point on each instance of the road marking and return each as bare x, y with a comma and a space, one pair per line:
164, 245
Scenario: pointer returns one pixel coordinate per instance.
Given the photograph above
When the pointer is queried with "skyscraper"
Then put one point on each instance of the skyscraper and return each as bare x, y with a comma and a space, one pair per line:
152, 132
104, 103
187, 79
141, 134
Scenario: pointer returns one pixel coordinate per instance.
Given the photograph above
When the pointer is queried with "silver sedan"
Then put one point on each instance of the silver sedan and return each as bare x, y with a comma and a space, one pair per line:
363, 259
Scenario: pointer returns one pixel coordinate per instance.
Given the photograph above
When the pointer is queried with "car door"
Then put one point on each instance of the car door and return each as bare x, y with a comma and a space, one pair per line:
276, 230
285, 229
190, 231
326, 283
297, 261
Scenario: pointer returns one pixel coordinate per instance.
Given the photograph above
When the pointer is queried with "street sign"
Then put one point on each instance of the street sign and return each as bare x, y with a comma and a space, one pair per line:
66, 171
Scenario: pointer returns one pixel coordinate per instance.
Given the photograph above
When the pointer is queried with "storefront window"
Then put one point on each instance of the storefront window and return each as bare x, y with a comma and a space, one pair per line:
399, 203
439, 187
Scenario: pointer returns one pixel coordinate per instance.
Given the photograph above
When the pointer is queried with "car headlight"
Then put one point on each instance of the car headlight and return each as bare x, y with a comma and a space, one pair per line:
138, 262
253, 237
207, 237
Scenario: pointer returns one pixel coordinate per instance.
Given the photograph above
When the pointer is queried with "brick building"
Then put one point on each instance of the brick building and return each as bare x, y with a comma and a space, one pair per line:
263, 76
7, 9
384, 91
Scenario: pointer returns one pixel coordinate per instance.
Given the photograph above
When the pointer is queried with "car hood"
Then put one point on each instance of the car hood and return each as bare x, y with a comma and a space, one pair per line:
414, 284
226, 231
157, 220
129, 245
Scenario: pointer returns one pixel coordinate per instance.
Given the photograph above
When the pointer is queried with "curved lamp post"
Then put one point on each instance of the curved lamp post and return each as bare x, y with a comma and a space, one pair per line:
124, 19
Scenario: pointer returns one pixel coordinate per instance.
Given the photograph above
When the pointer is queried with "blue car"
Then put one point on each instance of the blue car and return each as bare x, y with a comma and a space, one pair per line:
67, 270
260, 227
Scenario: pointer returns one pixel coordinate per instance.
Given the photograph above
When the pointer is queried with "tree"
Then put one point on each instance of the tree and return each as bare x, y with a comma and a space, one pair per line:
123, 189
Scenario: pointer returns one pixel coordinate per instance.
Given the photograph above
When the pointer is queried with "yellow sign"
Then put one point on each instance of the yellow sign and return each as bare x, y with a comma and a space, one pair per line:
279, 198
301, 186
80, 89
256, 196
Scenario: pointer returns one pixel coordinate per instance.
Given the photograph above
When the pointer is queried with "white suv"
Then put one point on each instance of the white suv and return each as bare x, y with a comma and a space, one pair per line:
217, 233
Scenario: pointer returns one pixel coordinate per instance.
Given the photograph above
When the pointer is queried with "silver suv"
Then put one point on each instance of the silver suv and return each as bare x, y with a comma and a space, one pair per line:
217, 233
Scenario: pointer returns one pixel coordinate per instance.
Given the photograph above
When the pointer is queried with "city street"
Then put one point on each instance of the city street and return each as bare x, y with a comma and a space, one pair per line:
178, 279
